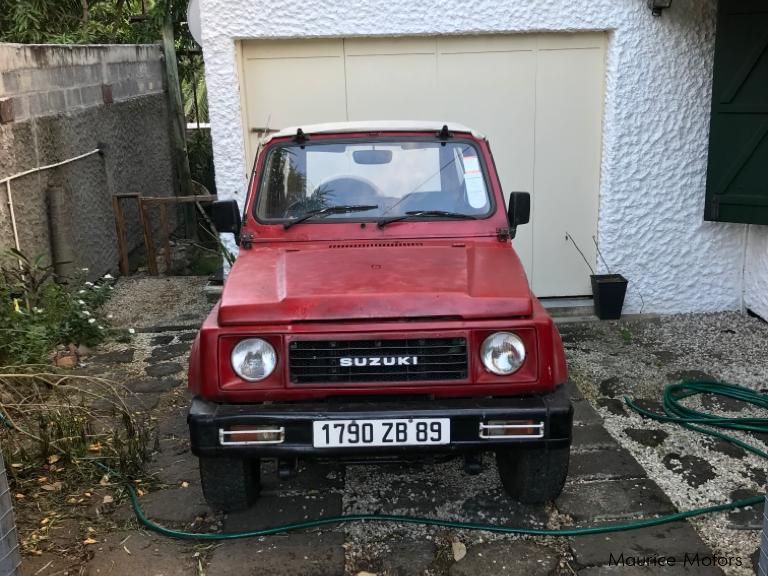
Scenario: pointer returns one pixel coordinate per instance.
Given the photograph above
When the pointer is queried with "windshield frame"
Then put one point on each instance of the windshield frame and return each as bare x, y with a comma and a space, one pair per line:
266, 155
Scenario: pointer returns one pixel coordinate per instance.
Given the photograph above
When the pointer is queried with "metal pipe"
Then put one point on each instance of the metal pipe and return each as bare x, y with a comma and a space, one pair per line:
40, 168
13, 215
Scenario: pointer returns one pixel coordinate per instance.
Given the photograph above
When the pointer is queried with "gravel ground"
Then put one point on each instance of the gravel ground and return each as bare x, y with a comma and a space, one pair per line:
637, 359
142, 302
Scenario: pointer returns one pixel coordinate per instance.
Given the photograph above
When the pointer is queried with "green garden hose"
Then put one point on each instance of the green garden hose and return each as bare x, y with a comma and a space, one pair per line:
673, 412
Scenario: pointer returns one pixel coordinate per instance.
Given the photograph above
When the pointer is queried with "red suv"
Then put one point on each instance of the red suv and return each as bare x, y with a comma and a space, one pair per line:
377, 309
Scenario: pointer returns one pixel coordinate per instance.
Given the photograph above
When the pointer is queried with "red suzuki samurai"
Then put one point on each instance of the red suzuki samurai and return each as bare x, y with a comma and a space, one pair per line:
377, 310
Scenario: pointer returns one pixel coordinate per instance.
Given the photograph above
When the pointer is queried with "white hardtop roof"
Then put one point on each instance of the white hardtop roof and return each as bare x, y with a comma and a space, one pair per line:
374, 126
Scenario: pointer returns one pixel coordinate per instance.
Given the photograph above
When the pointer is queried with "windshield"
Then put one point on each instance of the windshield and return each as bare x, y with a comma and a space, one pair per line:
389, 178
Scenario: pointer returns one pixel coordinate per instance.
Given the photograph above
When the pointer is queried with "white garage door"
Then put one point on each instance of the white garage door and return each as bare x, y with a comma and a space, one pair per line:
538, 98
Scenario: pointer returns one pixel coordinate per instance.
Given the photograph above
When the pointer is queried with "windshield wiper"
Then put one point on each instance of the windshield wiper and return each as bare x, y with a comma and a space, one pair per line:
328, 210
418, 213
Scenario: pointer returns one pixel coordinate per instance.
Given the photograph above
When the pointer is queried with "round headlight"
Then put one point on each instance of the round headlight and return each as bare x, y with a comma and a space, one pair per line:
502, 353
253, 359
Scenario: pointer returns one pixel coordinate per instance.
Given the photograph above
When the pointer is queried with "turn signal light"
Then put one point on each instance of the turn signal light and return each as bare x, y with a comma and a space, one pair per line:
511, 429
243, 435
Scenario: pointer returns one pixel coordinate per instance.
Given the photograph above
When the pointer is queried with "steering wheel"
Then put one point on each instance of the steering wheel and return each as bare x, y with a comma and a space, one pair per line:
293, 205
347, 190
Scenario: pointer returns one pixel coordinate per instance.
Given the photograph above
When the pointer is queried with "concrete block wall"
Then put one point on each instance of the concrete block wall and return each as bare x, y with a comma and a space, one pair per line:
57, 102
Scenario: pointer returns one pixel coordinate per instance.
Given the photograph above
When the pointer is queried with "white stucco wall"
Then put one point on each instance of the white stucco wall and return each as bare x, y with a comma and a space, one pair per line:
655, 131
756, 271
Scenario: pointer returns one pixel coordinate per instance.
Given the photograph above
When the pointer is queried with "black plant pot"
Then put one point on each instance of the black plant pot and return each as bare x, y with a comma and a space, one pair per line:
608, 292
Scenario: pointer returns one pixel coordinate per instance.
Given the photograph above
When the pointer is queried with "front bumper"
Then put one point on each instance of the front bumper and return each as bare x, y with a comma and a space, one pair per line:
207, 419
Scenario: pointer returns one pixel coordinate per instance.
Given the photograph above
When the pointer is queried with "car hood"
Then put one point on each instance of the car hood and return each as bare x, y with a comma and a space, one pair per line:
390, 280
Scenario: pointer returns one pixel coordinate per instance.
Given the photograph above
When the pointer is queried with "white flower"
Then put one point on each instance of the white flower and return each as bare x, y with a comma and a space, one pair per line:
84, 269
100, 327
86, 313
81, 302
91, 320
81, 291
37, 310
109, 316
89, 284
131, 331
111, 288
108, 277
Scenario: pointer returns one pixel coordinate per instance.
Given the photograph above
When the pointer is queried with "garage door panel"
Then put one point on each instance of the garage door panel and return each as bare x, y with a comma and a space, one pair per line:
485, 44
391, 87
285, 87
501, 106
567, 169
538, 98
382, 46
292, 48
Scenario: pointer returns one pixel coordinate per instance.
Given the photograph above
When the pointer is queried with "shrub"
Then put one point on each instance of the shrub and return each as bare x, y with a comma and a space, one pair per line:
39, 311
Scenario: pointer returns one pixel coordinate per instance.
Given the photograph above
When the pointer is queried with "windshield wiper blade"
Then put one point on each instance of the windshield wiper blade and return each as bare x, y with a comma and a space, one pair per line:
418, 213
328, 210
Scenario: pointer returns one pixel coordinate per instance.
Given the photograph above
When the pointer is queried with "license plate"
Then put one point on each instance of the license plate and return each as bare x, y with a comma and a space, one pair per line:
398, 432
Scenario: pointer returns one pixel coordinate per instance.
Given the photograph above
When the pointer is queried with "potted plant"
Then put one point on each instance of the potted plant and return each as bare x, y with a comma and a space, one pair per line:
608, 290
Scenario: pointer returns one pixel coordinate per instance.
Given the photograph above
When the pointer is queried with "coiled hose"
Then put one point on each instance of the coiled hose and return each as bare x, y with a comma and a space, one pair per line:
674, 412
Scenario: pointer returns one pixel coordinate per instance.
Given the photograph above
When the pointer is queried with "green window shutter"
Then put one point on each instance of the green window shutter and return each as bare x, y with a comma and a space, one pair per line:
737, 173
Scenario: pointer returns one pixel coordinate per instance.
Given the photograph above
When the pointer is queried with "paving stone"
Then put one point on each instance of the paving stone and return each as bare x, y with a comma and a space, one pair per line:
592, 437
174, 469
494, 503
143, 402
124, 356
168, 352
612, 387
750, 518
724, 447
758, 475
132, 553
694, 470
716, 404
177, 505
683, 375
604, 465
646, 436
505, 557
668, 540
162, 340
612, 500
272, 509
650, 405
187, 336
584, 413
613, 405
147, 385
163, 369
312, 554
409, 558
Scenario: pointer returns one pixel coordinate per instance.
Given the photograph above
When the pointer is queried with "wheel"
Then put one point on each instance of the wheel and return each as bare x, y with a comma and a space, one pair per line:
533, 475
230, 484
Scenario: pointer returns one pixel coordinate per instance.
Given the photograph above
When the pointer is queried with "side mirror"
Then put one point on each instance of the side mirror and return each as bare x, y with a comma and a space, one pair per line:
225, 215
519, 210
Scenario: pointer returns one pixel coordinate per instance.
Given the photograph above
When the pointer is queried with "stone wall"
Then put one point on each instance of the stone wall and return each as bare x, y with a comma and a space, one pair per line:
57, 102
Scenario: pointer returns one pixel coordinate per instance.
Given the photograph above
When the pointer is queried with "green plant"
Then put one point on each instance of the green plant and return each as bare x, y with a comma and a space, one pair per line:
39, 311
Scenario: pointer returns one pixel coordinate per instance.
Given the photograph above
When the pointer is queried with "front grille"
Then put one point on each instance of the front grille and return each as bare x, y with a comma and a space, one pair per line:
351, 361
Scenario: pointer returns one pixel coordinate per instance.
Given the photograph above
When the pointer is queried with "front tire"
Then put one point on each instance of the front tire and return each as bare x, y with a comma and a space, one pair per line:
230, 484
533, 475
